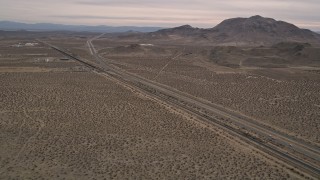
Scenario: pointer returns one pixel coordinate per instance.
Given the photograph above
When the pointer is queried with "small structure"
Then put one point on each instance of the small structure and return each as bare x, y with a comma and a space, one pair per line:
17, 45
25, 45
30, 44
146, 44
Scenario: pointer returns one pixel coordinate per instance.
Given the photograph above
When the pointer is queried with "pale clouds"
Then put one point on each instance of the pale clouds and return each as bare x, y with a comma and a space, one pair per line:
165, 13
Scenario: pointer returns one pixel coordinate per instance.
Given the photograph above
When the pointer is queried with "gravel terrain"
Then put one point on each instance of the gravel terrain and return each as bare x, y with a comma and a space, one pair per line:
61, 121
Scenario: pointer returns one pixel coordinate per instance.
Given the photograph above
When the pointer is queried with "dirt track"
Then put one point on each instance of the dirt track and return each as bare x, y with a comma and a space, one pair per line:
302, 160
307, 157
285, 99
77, 124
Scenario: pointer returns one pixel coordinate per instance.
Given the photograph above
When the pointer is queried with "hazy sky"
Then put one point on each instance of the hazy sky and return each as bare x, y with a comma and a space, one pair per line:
164, 13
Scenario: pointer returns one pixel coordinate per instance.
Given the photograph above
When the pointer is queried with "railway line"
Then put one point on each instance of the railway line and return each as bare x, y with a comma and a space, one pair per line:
295, 152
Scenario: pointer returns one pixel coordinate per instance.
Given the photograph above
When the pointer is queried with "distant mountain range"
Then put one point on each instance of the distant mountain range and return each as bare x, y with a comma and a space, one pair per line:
13, 26
255, 30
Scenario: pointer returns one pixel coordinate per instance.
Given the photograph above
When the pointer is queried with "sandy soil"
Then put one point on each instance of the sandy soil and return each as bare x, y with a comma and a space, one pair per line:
80, 125
286, 99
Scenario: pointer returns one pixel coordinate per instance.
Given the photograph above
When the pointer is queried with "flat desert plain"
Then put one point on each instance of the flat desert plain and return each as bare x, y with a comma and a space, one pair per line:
284, 97
61, 120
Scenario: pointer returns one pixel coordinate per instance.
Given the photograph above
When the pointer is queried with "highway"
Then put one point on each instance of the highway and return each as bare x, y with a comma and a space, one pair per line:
288, 149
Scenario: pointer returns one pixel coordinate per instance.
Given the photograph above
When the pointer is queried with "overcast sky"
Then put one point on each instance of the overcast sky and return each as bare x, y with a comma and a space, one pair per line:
163, 13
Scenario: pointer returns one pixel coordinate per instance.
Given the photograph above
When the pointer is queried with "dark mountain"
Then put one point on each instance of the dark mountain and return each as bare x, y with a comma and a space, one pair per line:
185, 30
258, 29
255, 30
13, 26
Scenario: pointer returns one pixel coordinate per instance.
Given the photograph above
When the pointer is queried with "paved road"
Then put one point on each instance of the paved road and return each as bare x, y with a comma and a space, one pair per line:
293, 151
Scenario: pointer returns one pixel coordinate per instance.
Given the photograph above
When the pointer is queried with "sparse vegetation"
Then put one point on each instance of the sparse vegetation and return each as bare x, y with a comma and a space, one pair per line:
286, 99
67, 122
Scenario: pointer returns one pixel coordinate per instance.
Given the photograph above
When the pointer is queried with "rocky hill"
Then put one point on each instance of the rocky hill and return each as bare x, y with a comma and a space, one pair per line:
255, 30
259, 30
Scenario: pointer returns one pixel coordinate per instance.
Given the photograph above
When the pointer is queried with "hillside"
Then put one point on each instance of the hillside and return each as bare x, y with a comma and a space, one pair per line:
259, 30
255, 30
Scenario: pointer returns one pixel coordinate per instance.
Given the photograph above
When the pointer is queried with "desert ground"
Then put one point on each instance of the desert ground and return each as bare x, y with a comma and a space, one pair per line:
61, 120
278, 86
